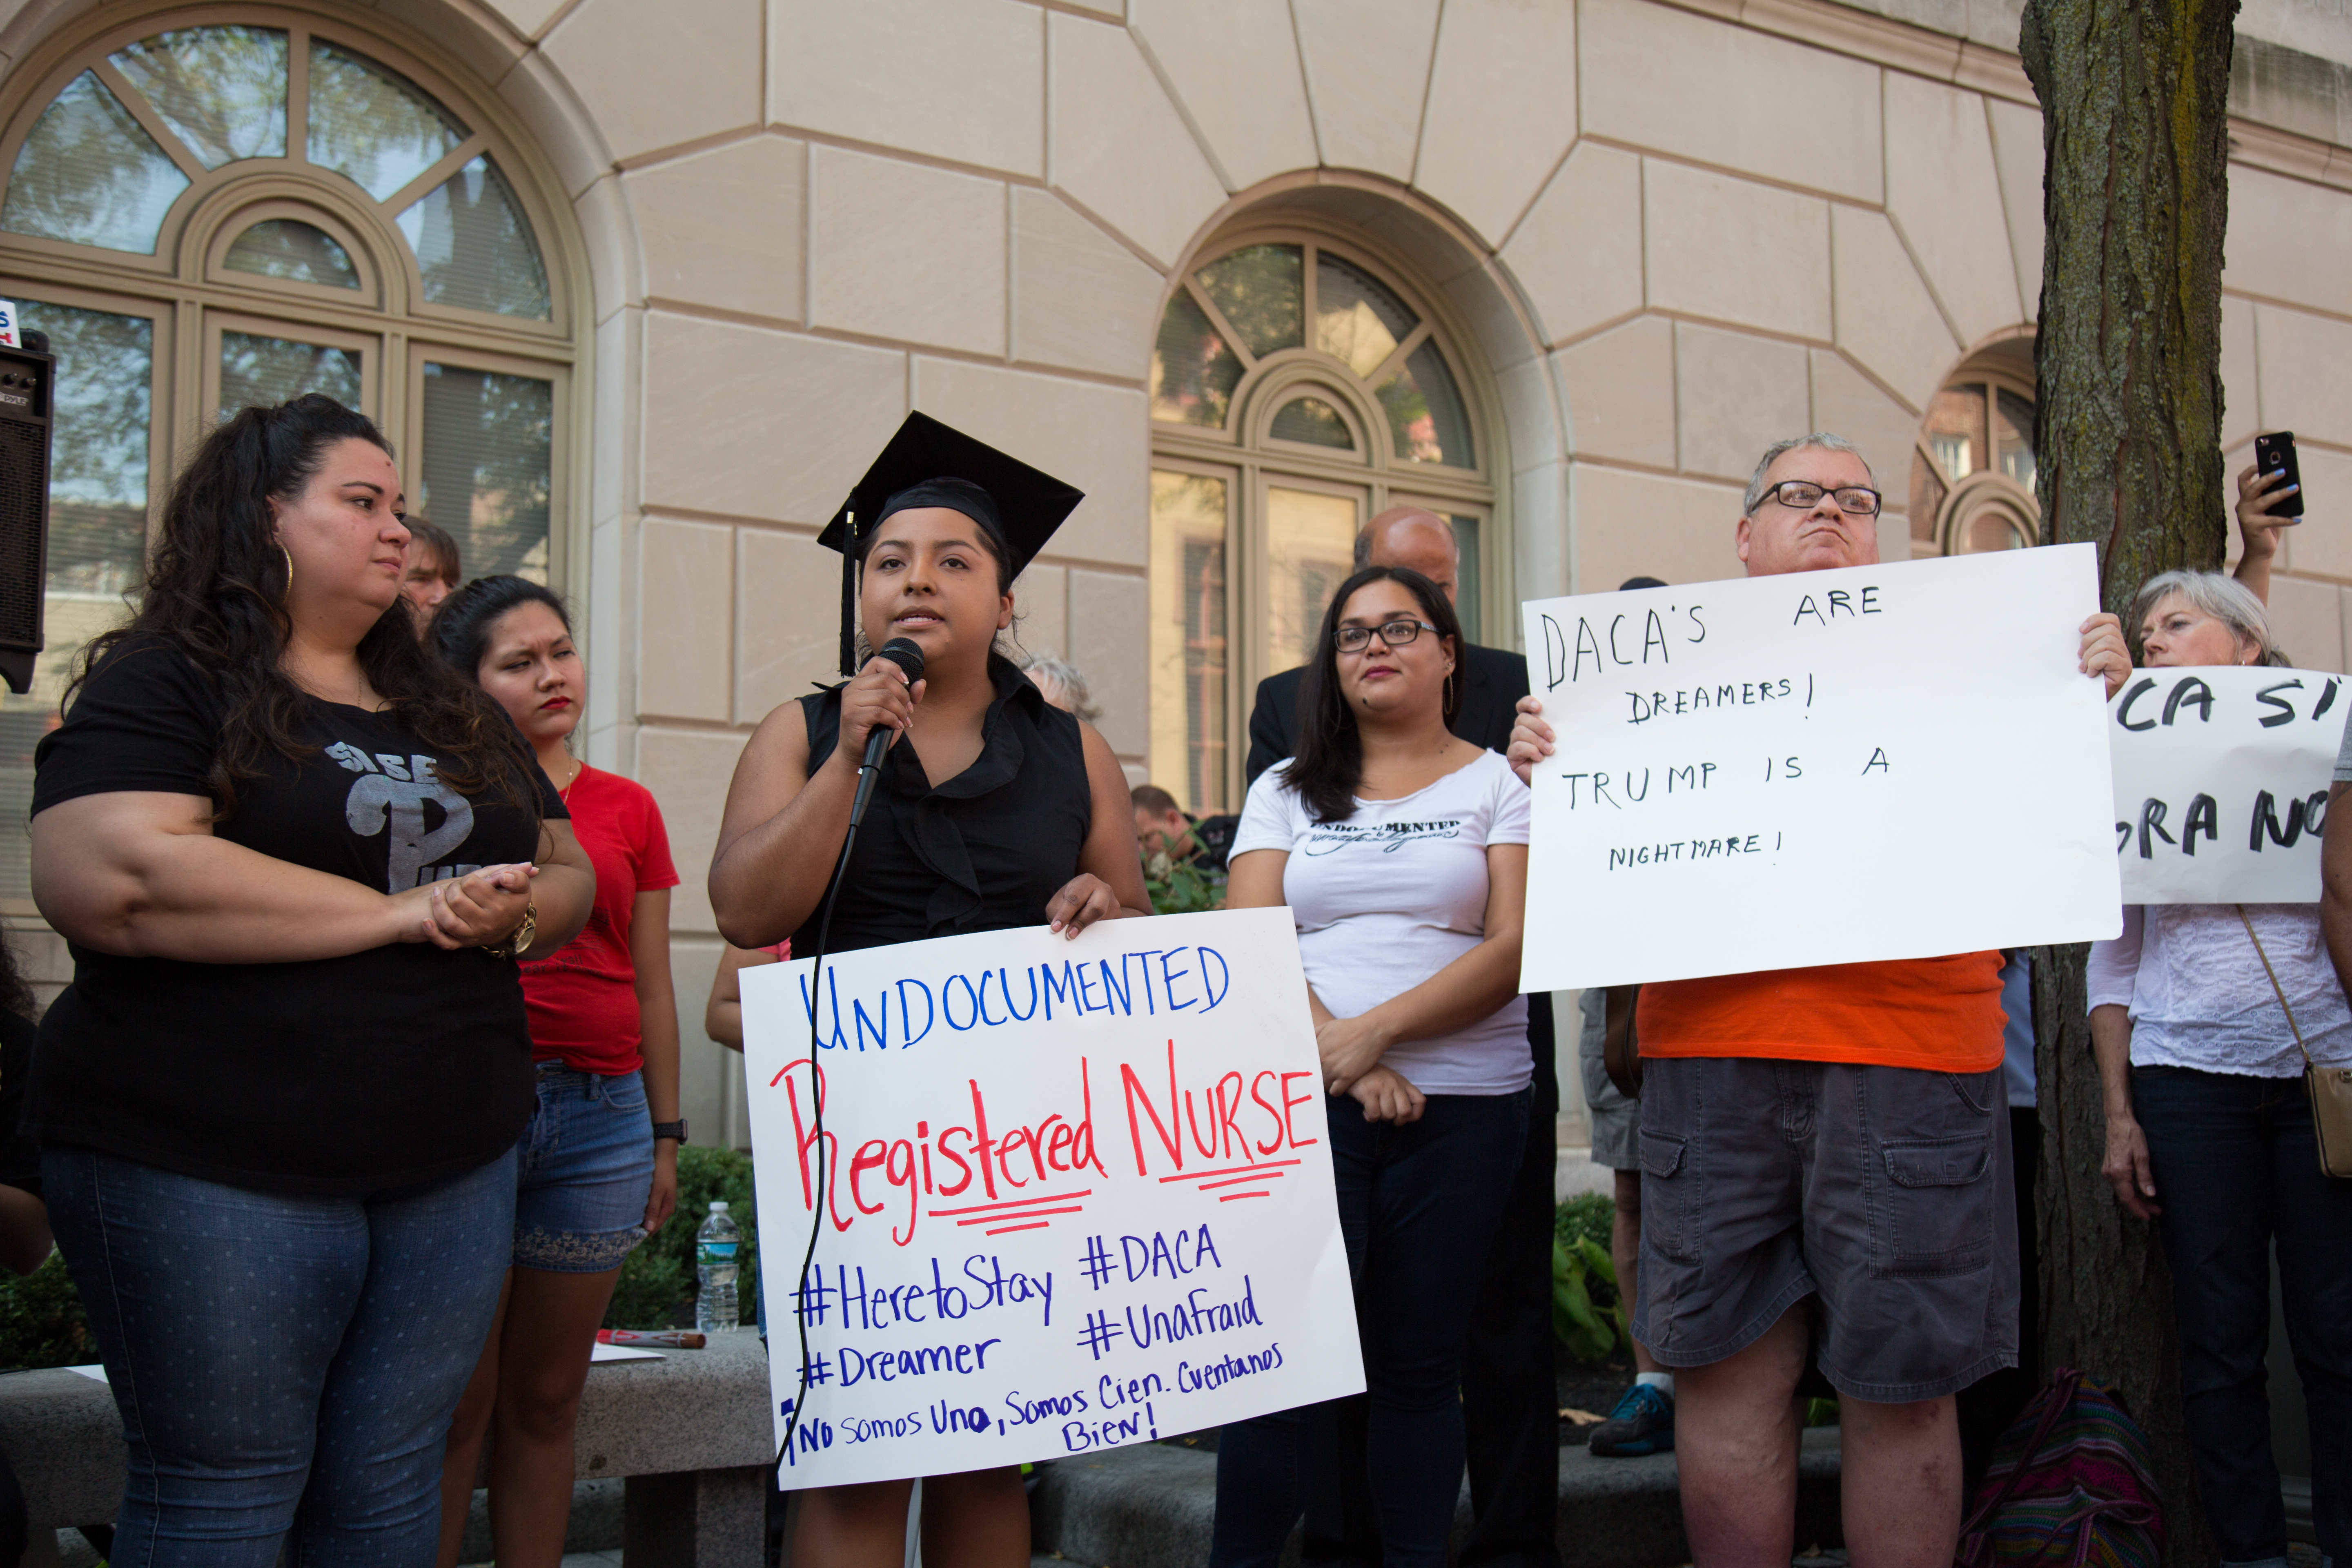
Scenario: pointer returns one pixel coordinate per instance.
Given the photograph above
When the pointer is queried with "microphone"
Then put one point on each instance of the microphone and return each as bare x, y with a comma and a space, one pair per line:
907, 655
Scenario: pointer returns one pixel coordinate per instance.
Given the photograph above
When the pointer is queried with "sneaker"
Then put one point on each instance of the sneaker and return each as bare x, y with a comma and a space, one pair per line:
1642, 1423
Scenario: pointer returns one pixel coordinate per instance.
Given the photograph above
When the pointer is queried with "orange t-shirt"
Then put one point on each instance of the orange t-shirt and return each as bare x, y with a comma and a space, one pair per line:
1940, 1014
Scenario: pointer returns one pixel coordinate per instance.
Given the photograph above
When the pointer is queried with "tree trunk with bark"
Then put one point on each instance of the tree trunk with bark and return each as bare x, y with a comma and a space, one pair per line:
2135, 97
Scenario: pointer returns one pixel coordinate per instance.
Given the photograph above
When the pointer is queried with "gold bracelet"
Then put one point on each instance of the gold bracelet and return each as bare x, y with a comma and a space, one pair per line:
518, 941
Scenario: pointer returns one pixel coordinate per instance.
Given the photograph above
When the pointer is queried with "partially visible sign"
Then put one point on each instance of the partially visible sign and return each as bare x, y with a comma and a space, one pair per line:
1075, 1194
8, 325
1887, 762
2222, 780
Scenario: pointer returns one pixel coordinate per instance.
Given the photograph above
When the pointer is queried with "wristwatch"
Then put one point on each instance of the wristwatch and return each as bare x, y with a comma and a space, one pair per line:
674, 1129
518, 939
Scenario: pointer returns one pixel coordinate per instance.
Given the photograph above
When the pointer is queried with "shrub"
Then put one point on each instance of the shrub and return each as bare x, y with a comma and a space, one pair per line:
657, 1283
41, 1320
1588, 1315
1181, 887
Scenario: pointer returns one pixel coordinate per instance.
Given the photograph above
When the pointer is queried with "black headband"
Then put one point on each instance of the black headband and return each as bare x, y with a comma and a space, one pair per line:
955, 495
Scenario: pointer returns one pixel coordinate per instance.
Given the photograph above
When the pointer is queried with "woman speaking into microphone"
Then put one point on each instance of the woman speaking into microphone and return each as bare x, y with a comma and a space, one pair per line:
991, 810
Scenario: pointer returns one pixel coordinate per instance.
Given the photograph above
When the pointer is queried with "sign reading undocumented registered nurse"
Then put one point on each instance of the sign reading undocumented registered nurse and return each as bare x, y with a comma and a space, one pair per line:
1900, 761
1075, 1194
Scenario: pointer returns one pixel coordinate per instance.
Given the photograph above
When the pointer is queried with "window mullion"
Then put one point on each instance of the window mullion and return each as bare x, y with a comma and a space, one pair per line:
298, 94
1200, 297
1403, 352
1310, 298
426, 184
148, 120
400, 378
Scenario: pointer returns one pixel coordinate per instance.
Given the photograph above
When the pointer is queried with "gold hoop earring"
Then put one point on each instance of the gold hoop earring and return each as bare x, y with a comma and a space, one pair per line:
289, 567
1449, 689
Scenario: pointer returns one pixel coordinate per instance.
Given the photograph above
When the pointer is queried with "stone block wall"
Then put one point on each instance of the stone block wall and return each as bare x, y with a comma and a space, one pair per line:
1674, 231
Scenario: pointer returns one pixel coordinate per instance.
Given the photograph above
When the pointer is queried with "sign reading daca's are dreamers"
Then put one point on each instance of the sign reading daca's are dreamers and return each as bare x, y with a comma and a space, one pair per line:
2221, 782
1076, 1193
1899, 761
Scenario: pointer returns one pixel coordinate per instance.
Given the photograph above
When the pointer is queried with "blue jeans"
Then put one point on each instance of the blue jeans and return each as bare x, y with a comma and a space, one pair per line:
1417, 1208
2236, 1166
587, 1169
282, 1365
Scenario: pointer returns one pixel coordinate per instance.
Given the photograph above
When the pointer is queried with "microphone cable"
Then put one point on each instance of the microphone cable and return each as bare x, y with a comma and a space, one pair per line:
907, 655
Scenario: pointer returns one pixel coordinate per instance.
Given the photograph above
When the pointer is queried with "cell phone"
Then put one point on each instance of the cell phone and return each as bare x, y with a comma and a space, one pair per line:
2272, 454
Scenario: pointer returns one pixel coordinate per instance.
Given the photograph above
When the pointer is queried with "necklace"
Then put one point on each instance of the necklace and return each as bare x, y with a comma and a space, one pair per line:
563, 791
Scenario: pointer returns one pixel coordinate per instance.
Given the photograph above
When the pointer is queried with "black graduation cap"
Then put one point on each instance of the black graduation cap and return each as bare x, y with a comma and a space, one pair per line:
929, 464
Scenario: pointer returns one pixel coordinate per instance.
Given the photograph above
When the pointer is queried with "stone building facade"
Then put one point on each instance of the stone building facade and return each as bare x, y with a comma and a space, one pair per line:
638, 288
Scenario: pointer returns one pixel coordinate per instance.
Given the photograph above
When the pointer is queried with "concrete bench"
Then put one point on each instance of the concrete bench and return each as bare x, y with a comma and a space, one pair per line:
688, 1436
1151, 1506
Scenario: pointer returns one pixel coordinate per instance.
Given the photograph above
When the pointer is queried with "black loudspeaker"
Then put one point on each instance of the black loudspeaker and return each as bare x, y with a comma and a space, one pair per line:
28, 387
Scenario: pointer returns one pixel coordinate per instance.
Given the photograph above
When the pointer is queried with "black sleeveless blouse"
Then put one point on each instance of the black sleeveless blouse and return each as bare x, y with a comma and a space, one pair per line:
984, 851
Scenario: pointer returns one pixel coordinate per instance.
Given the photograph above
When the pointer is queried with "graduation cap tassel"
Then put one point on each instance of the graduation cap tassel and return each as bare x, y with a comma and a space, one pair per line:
849, 603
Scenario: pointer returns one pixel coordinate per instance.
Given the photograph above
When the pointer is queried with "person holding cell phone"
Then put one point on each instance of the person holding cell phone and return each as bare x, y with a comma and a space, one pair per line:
2195, 1011
2270, 501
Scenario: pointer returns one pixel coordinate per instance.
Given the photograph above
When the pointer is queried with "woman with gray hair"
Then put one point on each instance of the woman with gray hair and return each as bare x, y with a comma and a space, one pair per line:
1063, 685
2202, 605
2200, 1067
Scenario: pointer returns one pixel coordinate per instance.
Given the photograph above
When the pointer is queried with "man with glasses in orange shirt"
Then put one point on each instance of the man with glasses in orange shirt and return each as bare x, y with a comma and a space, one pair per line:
1824, 1165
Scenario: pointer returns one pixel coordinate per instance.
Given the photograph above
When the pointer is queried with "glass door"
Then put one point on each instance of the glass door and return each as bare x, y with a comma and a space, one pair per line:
1189, 651
1469, 521
482, 459
1309, 549
102, 457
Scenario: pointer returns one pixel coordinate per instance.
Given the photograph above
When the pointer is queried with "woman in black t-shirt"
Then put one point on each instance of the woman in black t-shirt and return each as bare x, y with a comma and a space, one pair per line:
295, 860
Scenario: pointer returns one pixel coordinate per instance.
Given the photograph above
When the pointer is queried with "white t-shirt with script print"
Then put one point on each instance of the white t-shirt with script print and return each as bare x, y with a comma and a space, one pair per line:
1393, 895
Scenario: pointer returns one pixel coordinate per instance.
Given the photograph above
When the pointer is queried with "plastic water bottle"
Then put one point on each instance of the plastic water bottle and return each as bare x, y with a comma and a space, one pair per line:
715, 1266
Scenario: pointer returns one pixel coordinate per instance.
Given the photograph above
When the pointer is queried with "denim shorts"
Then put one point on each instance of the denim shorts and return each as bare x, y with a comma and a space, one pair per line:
585, 1169
1884, 1192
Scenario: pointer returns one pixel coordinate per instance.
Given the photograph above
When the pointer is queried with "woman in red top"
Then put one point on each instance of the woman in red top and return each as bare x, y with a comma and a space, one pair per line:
598, 1164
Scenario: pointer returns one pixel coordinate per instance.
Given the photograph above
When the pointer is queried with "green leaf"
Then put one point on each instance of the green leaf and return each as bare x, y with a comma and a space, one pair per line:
41, 1320
657, 1282
1575, 1323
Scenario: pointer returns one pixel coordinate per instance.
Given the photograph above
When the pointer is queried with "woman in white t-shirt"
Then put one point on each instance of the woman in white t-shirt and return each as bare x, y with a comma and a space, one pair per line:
1402, 853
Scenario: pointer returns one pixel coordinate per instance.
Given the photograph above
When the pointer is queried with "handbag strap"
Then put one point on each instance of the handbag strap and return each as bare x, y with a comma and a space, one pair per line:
2277, 989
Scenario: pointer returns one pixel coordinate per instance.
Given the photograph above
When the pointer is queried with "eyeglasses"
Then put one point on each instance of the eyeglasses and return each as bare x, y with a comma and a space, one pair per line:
1799, 495
1396, 634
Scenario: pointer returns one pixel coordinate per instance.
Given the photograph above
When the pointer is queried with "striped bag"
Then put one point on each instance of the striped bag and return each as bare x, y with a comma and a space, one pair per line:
2070, 1485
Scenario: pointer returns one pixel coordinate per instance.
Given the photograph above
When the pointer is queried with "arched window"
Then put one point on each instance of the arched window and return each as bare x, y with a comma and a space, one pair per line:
203, 214
1297, 391
1972, 473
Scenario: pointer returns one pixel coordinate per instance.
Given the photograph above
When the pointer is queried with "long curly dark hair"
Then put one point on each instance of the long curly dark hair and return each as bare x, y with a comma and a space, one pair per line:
15, 992
216, 588
1331, 759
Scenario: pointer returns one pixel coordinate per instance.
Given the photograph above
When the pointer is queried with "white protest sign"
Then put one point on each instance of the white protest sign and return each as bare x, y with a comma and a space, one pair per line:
8, 324
1079, 1193
2221, 781
1899, 761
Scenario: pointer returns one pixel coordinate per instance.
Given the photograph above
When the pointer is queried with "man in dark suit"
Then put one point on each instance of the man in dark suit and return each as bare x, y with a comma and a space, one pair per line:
1510, 1414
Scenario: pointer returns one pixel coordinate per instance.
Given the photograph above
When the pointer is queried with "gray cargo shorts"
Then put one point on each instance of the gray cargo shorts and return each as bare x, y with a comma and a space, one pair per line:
1615, 1118
1884, 1192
